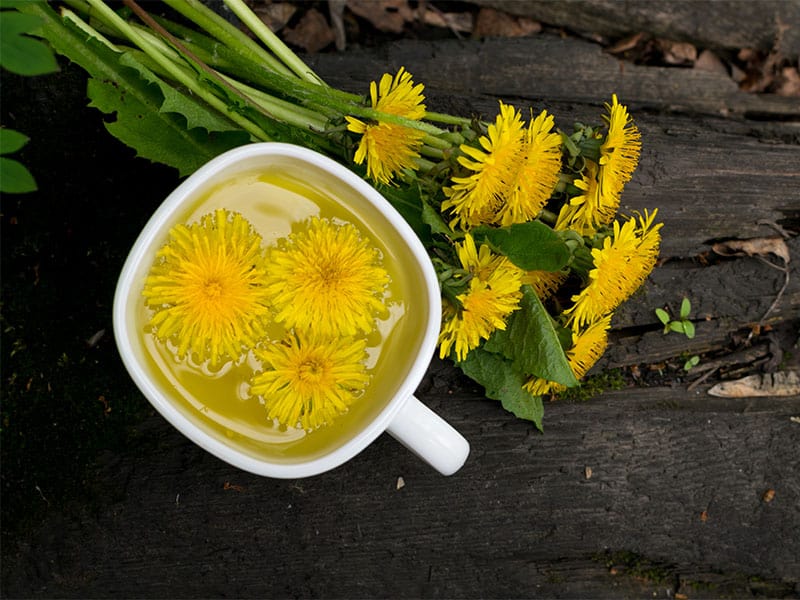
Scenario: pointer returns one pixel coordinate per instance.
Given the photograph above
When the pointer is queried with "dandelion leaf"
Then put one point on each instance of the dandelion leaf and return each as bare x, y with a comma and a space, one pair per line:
532, 246
532, 342
501, 381
185, 139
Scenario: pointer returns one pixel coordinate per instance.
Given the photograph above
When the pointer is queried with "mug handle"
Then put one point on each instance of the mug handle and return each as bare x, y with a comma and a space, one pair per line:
429, 436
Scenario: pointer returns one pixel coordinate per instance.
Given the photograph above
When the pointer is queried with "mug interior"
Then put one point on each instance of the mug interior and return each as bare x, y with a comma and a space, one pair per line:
404, 355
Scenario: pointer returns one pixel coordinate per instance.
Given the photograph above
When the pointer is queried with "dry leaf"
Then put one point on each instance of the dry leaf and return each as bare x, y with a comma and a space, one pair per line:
312, 32
275, 16
494, 23
768, 496
386, 15
628, 43
453, 21
677, 53
754, 247
785, 383
708, 61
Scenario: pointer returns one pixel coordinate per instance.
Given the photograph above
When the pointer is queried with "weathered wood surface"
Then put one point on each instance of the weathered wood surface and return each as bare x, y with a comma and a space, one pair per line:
722, 25
642, 492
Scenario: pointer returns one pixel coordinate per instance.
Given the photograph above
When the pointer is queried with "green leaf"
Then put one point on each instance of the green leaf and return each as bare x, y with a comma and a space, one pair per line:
531, 342
691, 363
502, 382
677, 326
11, 140
532, 246
688, 329
662, 315
120, 85
686, 308
433, 219
19, 53
15, 177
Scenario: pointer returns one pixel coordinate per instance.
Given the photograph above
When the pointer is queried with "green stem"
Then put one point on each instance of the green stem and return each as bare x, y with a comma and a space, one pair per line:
219, 28
264, 33
175, 72
448, 119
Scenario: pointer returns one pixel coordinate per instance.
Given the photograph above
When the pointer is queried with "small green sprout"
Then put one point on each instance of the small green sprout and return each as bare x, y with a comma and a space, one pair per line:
682, 324
691, 363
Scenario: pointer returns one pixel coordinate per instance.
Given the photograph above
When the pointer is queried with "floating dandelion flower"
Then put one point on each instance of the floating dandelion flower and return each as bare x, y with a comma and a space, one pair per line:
309, 380
493, 294
620, 268
475, 199
327, 279
619, 153
206, 288
588, 345
390, 149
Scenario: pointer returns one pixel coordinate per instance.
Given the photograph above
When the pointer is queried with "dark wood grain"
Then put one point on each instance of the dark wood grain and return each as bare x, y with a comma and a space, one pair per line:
640, 492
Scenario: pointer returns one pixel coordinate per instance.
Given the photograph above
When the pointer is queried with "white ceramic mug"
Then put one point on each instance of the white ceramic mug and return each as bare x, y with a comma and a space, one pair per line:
398, 412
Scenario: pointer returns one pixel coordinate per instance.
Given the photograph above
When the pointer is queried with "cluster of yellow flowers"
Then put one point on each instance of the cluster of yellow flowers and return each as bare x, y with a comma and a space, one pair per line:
509, 173
214, 290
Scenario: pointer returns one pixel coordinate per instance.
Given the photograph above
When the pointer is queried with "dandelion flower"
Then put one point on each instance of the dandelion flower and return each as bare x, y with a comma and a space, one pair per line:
590, 210
620, 267
476, 198
309, 380
588, 345
513, 172
206, 288
326, 278
619, 153
537, 175
493, 294
544, 283
390, 149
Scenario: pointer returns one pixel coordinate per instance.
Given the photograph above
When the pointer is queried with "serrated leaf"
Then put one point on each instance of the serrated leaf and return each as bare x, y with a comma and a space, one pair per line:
532, 343
11, 140
502, 382
120, 89
433, 219
19, 53
532, 246
15, 177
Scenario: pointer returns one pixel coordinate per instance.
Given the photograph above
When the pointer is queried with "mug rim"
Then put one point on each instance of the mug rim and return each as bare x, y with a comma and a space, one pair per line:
160, 401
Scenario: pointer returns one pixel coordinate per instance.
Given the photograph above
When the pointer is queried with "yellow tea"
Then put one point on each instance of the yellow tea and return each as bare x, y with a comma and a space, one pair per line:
277, 202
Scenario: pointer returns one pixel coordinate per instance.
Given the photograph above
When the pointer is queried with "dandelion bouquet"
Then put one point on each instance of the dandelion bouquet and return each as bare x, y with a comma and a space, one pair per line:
520, 218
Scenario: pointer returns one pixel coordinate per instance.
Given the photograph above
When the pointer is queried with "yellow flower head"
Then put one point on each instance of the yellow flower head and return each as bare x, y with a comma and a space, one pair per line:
591, 210
326, 279
620, 267
476, 199
206, 288
619, 153
544, 283
309, 380
493, 294
588, 345
388, 148
513, 175
537, 175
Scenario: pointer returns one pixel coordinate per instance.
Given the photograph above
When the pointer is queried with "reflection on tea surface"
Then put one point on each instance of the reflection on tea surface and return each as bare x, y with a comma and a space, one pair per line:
219, 398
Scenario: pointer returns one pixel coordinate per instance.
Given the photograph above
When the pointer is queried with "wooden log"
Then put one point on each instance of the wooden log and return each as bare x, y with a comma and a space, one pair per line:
771, 24
639, 492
